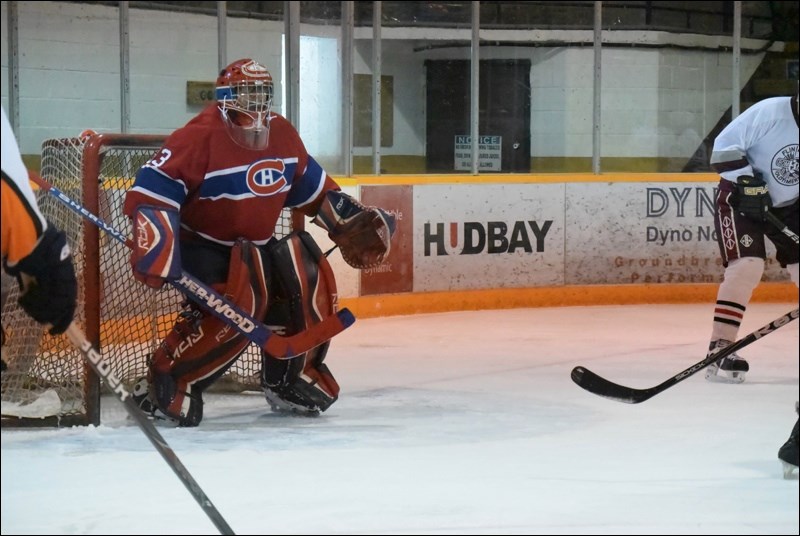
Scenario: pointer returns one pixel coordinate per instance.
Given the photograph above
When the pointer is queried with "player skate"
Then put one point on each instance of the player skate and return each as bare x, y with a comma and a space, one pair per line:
788, 453
730, 369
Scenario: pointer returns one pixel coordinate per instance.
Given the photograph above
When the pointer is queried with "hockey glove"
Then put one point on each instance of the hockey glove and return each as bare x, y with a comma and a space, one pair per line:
155, 257
752, 198
47, 278
363, 234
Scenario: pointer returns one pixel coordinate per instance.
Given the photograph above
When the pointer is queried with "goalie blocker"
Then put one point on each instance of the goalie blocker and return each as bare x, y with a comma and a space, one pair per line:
289, 284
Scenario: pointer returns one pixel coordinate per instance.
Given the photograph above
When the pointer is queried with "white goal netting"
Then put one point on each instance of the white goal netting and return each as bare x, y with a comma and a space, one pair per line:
46, 382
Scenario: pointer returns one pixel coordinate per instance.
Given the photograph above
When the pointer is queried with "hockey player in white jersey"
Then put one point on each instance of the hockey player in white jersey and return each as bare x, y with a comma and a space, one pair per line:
756, 156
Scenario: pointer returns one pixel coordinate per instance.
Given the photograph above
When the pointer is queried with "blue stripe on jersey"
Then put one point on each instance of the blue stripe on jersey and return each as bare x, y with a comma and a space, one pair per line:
151, 180
228, 185
232, 183
308, 186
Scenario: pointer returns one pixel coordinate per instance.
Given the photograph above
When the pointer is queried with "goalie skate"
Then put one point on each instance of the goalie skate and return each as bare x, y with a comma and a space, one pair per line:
144, 398
289, 403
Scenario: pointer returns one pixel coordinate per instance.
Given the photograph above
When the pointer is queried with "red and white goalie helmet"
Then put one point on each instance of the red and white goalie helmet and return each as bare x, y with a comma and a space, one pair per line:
244, 97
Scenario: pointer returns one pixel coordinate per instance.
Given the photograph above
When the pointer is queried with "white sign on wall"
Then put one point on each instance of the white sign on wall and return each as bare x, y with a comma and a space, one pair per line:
489, 153
491, 236
623, 233
476, 236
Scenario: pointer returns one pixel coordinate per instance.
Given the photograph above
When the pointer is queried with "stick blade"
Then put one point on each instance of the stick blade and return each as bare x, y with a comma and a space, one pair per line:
346, 318
300, 343
589, 381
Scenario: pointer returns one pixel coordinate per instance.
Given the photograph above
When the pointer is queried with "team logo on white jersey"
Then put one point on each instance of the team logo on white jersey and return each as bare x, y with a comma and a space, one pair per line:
267, 177
784, 165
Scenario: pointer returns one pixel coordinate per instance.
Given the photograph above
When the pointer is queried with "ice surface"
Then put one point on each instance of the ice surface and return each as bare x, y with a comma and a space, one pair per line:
453, 423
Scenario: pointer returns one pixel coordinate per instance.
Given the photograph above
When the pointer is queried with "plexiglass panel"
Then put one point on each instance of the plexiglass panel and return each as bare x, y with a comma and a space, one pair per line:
546, 105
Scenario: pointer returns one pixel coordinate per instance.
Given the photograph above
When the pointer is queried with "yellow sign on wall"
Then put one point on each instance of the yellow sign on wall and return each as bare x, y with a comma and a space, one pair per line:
199, 93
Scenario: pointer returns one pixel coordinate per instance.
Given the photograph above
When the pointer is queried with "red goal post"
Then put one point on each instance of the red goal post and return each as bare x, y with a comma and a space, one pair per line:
47, 382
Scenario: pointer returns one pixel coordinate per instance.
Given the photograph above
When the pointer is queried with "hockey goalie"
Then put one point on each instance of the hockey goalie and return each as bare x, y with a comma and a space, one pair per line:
208, 203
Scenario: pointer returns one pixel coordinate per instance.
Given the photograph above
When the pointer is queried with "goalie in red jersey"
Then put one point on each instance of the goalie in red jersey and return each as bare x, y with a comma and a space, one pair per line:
209, 202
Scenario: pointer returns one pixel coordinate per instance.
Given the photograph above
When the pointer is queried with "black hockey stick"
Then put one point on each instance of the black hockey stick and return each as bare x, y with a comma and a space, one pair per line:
598, 385
773, 219
103, 369
281, 347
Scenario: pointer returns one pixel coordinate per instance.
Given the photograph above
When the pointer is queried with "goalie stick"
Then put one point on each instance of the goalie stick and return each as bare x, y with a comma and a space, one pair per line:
103, 369
281, 347
600, 386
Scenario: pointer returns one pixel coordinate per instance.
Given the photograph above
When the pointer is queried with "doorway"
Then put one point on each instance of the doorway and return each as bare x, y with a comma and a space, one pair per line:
504, 123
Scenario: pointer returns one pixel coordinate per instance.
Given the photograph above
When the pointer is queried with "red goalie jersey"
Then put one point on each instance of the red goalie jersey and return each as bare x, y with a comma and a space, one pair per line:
224, 190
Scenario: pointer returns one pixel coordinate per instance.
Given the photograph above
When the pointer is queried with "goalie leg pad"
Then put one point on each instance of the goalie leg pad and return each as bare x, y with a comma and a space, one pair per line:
201, 348
303, 292
304, 384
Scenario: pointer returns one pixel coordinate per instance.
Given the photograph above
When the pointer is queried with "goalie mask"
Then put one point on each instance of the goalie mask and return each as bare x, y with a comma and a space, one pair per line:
244, 98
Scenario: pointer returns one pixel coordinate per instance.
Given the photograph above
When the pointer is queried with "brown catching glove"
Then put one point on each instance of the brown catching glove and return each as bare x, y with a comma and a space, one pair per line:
363, 234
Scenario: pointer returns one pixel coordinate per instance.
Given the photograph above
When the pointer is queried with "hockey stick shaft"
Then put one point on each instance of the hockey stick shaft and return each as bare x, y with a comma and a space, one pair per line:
103, 369
774, 220
600, 386
281, 347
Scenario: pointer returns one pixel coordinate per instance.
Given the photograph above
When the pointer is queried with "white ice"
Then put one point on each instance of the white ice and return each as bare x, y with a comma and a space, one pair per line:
454, 423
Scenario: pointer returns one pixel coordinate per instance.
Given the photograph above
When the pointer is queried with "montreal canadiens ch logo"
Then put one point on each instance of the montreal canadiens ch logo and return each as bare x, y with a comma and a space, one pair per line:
251, 68
266, 177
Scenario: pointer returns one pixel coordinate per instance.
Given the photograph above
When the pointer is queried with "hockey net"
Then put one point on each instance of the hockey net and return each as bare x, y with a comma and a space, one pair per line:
47, 382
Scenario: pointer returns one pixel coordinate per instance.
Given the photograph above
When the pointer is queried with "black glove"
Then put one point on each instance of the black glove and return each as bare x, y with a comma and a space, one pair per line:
50, 297
752, 198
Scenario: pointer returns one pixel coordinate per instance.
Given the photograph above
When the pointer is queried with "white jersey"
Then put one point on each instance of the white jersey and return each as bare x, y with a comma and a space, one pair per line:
11, 160
22, 222
762, 141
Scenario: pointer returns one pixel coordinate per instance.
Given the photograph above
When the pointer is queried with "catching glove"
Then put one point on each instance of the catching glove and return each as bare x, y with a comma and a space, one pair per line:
363, 234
